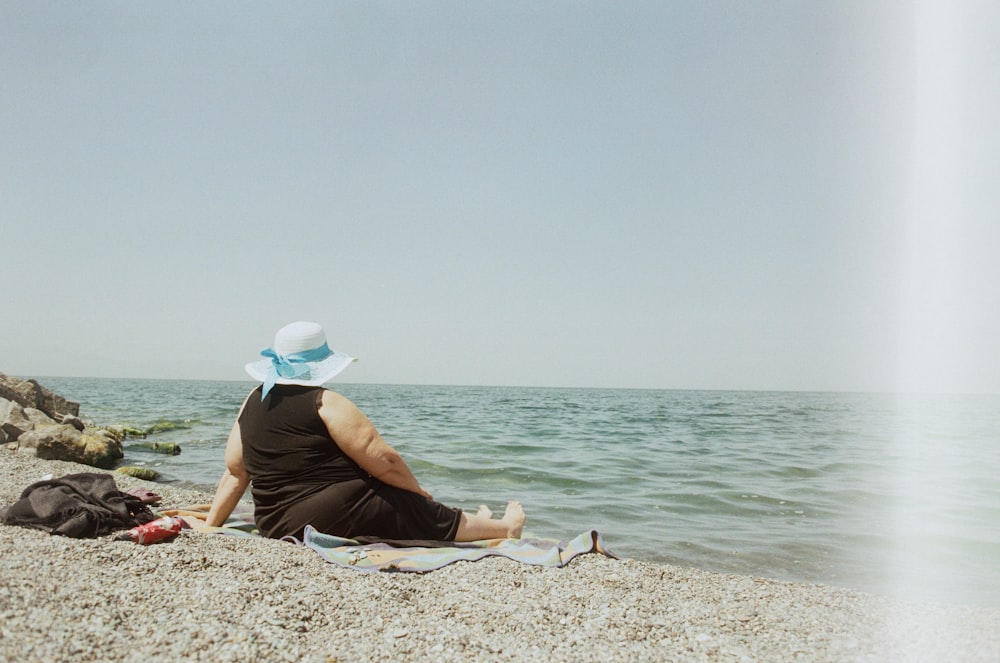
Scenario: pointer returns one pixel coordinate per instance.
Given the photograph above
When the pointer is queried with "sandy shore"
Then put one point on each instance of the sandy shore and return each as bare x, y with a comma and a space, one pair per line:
216, 598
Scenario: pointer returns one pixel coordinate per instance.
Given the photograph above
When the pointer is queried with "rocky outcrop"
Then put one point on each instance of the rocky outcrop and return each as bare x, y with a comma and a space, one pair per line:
16, 420
30, 394
36, 420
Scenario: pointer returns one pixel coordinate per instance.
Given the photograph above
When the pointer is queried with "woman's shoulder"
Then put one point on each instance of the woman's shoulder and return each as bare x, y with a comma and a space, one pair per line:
334, 406
329, 397
249, 397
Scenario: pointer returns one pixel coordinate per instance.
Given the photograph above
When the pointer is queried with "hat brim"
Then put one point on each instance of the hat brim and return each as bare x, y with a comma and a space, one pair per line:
320, 372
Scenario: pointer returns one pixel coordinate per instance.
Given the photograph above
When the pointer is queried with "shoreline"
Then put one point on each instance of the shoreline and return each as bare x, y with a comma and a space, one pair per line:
219, 598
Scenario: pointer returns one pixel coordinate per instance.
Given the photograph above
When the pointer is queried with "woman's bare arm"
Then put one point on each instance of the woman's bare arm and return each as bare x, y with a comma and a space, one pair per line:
233, 483
357, 437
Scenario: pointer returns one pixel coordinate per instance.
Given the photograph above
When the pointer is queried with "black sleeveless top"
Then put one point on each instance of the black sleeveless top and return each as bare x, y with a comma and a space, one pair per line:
288, 452
300, 477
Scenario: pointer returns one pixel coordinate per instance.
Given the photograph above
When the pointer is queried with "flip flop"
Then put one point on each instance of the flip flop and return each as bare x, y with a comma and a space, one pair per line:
144, 494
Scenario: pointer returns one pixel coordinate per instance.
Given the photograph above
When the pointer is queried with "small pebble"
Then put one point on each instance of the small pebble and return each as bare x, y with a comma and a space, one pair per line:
219, 598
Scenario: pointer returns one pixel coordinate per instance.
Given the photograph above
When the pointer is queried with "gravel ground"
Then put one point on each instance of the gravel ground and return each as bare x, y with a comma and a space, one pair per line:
215, 598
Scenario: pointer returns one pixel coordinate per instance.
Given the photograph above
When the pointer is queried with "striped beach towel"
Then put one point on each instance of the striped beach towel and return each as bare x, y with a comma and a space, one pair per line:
386, 556
373, 555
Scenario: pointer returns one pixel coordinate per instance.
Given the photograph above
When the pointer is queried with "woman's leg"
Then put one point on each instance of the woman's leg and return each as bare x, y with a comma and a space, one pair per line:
481, 525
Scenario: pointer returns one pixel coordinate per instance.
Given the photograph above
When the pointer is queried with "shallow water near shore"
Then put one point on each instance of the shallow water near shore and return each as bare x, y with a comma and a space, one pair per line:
894, 494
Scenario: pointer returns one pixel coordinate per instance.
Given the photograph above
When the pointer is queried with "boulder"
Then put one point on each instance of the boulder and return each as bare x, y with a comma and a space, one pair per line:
12, 431
29, 393
7, 390
37, 417
13, 421
166, 448
31, 438
94, 447
16, 420
144, 473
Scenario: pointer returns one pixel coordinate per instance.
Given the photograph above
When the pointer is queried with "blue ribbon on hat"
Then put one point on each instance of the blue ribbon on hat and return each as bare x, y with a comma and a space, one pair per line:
291, 366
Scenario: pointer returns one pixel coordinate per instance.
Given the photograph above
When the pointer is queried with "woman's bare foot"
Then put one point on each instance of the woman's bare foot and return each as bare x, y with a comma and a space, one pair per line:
481, 525
514, 517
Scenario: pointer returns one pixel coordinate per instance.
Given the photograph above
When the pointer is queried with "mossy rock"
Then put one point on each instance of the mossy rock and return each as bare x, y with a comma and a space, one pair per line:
133, 432
164, 426
166, 448
139, 472
116, 433
96, 448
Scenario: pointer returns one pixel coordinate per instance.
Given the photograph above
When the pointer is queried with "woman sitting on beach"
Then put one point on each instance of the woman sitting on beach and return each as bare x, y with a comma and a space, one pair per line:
313, 458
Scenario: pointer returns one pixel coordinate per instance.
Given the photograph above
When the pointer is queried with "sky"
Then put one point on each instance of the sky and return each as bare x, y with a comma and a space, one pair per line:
678, 195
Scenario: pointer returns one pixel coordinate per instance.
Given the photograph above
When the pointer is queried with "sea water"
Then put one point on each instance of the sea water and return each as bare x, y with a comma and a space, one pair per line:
894, 494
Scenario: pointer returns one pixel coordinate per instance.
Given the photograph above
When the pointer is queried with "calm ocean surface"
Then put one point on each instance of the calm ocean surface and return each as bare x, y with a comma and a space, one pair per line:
896, 494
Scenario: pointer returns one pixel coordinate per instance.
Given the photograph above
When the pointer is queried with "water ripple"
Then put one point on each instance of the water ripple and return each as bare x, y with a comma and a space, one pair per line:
838, 488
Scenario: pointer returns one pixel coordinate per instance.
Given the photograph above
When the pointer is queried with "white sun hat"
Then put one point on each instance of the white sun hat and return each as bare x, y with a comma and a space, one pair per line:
300, 356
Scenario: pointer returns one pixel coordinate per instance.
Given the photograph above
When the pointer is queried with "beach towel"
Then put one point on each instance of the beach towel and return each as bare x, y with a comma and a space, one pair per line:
371, 554
392, 556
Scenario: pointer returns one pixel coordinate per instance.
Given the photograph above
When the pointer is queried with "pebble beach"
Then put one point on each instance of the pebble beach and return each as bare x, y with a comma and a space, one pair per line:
203, 597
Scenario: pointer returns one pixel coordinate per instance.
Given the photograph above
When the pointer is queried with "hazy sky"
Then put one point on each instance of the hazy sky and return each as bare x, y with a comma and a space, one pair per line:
746, 195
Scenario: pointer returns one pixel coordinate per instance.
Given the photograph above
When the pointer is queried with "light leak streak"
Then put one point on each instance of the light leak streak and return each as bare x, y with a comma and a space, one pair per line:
931, 353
